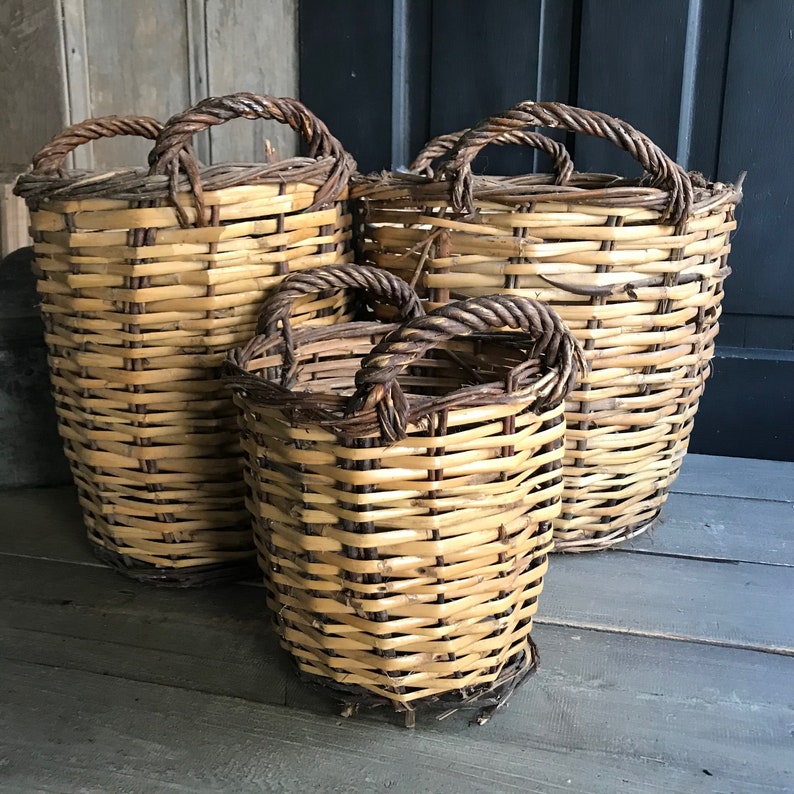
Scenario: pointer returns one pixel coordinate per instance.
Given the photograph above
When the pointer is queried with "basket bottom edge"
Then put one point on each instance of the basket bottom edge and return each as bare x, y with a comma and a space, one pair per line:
581, 545
486, 699
191, 576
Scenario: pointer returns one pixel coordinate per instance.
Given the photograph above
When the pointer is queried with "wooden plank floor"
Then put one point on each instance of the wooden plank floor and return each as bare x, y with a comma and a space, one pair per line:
666, 666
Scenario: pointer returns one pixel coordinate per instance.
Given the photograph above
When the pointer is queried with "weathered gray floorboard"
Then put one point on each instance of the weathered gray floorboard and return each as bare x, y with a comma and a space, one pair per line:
723, 528
102, 733
747, 477
47, 523
601, 700
738, 604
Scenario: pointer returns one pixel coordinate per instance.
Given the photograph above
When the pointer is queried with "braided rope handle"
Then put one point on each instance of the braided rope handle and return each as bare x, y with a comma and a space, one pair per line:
180, 129
542, 332
663, 169
441, 145
50, 158
374, 282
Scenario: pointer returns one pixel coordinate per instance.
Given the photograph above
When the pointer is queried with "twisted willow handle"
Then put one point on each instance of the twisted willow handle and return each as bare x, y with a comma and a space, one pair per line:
49, 159
374, 282
540, 326
179, 130
664, 170
437, 147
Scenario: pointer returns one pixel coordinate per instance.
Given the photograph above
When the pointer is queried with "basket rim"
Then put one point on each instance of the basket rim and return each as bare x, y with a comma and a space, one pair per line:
137, 184
598, 189
329, 409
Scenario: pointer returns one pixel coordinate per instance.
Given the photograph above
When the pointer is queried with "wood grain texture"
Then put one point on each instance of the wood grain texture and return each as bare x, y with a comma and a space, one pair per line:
14, 218
606, 712
735, 604
109, 734
137, 64
723, 476
32, 103
632, 713
113, 685
723, 528
77, 82
252, 46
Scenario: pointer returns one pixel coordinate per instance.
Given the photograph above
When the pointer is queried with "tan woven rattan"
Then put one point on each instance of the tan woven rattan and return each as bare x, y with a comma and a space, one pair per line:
403, 493
146, 279
634, 267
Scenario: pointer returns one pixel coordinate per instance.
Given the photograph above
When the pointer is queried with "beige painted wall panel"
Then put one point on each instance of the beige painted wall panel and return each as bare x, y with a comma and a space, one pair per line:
137, 56
252, 45
32, 101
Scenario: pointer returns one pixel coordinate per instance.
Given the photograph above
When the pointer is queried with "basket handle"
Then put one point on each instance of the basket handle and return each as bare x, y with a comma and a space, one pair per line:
374, 282
540, 329
50, 158
439, 146
662, 168
179, 130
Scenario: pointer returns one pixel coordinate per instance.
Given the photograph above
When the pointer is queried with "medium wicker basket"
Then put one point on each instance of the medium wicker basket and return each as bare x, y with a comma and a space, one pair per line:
146, 279
635, 268
403, 493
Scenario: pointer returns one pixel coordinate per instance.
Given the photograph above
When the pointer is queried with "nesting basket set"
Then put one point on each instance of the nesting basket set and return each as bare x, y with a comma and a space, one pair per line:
510, 367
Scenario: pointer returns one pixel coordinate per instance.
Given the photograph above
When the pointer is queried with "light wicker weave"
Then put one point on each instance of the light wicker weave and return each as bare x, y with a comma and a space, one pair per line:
403, 494
635, 268
146, 280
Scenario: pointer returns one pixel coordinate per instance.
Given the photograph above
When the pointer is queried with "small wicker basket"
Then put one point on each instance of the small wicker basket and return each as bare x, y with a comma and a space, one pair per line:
146, 280
403, 493
635, 268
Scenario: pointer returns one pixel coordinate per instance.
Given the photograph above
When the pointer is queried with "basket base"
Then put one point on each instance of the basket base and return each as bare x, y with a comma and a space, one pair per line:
194, 576
486, 698
565, 546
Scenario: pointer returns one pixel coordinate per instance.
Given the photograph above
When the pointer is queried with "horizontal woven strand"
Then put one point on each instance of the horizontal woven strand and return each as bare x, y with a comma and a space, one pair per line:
641, 295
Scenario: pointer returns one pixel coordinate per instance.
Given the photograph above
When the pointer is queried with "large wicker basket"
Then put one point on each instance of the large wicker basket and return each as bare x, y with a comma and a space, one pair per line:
635, 268
403, 493
146, 279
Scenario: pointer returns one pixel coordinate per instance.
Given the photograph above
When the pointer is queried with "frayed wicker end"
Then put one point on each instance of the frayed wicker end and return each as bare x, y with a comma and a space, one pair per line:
577, 545
192, 576
486, 699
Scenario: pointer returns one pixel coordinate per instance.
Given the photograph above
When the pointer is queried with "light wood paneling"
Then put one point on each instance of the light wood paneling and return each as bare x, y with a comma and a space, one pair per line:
32, 100
252, 46
65, 60
137, 63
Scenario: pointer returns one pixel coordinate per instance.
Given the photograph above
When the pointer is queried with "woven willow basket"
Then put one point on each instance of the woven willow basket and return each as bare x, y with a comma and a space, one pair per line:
635, 268
147, 278
403, 493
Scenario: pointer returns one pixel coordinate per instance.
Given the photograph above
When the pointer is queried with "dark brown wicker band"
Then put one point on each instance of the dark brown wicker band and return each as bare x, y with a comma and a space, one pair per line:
438, 147
179, 130
542, 333
378, 284
49, 159
665, 172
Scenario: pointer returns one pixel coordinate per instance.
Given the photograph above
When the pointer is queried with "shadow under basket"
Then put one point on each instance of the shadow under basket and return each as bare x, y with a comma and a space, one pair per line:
147, 278
403, 481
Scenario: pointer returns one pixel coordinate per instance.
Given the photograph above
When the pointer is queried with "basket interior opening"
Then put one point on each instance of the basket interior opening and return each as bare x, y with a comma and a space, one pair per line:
460, 363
